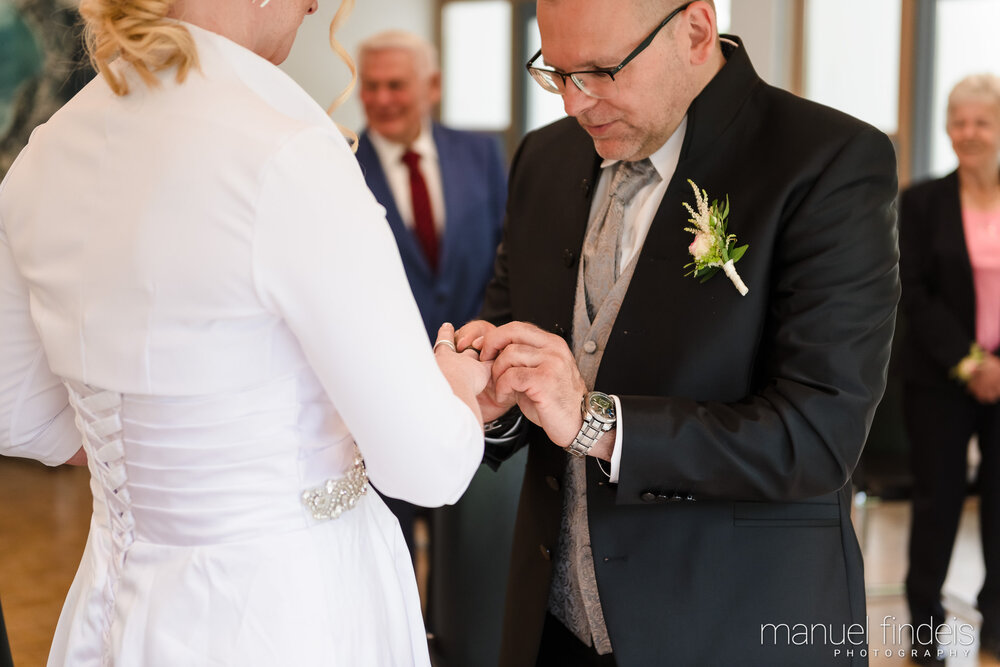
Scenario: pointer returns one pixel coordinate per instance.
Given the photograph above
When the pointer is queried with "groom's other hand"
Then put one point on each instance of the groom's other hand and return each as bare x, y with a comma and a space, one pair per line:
471, 336
537, 370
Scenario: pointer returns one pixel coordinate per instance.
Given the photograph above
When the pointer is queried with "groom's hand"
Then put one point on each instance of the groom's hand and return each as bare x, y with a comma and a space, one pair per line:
537, 369
471, 336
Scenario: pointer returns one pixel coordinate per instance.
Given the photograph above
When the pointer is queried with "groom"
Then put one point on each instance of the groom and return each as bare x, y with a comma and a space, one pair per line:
707, 521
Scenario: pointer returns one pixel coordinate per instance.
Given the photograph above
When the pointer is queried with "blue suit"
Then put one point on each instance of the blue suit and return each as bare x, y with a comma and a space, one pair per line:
474, 180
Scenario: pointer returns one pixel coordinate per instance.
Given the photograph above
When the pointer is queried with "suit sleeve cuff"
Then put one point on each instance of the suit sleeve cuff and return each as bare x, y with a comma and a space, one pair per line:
616, 453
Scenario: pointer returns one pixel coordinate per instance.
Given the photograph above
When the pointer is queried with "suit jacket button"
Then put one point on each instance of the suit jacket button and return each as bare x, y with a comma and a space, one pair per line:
663, 498
546, 553
568, 257
648, 497
552, 482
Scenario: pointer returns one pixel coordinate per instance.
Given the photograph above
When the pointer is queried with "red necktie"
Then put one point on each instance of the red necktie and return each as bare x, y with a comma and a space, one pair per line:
423, 217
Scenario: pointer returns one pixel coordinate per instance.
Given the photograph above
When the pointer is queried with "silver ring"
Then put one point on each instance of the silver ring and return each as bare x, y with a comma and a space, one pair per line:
478, 352
446, 342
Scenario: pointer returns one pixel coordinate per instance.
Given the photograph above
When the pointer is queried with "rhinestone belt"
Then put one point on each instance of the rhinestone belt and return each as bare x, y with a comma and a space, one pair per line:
336, 496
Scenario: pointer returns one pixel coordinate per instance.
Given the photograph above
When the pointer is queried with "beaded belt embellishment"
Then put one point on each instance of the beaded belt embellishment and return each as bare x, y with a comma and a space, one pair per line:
336, 496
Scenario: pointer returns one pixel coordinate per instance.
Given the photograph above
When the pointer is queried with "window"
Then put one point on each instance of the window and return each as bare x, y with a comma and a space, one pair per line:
475, 63
723, 13
852, 58
540, 107
965, 43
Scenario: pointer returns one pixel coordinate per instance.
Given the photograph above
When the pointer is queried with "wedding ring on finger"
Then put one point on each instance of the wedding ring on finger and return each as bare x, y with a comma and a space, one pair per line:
446, 343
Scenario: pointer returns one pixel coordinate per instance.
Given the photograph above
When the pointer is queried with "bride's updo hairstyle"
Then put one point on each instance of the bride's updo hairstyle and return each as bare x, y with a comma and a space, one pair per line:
138, 32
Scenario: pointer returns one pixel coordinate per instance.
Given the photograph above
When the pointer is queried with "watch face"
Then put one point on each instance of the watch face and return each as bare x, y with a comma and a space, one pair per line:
602, 406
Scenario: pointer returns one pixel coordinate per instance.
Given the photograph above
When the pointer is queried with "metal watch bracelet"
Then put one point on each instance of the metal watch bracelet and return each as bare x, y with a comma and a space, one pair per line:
589, 433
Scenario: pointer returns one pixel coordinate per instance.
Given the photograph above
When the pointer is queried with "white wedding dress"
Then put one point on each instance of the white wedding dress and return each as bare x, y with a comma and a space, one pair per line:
196, 283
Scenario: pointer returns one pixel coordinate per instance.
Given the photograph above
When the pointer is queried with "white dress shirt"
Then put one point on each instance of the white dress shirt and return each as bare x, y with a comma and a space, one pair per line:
390, 154
639, 213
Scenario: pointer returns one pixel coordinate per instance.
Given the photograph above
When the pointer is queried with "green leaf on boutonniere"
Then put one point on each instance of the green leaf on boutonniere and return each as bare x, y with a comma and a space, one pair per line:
708, 273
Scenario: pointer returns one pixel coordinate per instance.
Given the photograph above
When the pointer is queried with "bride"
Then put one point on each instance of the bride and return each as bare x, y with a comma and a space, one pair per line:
196, 284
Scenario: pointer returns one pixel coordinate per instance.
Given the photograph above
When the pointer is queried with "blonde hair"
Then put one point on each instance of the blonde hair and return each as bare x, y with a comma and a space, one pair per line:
138, 32
346, 6
975, 88
425, 56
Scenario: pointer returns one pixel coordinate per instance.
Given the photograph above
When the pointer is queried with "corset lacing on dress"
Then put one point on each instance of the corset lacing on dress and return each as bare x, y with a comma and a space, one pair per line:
98, 417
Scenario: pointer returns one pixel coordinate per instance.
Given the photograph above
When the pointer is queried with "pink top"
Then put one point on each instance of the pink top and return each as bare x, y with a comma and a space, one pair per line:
982, 237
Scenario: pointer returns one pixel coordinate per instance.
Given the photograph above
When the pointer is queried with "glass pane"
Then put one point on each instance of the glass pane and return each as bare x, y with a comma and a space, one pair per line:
966, 44
852, 58
541, 107
476, 64
723, 14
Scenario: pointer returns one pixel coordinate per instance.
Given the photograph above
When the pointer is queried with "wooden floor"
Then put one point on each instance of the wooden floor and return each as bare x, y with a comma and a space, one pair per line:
44, 516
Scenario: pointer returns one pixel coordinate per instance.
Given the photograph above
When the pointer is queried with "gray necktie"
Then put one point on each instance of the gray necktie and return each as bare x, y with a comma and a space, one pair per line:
602, 247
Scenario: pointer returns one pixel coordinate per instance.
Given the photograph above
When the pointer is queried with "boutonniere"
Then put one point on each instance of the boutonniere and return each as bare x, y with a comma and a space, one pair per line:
713, 248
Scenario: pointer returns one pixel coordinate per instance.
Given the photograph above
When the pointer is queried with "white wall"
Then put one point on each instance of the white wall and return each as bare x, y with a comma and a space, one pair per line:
317, 69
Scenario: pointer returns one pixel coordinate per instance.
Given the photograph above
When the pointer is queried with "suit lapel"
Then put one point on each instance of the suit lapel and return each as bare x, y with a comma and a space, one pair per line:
952, 236
452, 183
659, 277
582, 170
409, 249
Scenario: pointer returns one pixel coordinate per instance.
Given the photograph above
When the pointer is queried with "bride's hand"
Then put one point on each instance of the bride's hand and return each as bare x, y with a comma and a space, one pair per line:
465, 373
471, 336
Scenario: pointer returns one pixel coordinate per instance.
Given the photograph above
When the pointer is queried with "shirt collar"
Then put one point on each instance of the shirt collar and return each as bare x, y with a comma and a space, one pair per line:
392, 152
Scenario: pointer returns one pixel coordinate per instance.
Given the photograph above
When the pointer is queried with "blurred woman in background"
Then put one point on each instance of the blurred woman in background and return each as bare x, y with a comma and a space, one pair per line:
950, 271
195, 281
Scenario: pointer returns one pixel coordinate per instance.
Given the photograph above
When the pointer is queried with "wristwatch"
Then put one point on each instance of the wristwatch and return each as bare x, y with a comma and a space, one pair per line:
599, 417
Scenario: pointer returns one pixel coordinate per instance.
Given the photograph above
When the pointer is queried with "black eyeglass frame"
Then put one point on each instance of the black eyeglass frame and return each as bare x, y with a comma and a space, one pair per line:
611, 71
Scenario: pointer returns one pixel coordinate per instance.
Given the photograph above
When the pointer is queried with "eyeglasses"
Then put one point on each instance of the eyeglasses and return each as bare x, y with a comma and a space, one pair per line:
599, 83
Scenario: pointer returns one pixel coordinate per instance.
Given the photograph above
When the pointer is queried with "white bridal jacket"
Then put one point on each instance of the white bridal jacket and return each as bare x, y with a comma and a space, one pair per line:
197, 286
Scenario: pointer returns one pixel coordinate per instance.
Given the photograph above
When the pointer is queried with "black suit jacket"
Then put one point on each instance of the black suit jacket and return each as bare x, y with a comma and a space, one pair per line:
939, 296
5, 658
742, 417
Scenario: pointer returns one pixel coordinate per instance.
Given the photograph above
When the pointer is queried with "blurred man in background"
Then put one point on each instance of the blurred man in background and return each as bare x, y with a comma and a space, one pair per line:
444, 191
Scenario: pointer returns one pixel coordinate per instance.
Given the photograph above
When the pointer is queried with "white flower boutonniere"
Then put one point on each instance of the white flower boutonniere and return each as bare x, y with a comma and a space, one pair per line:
712, 248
